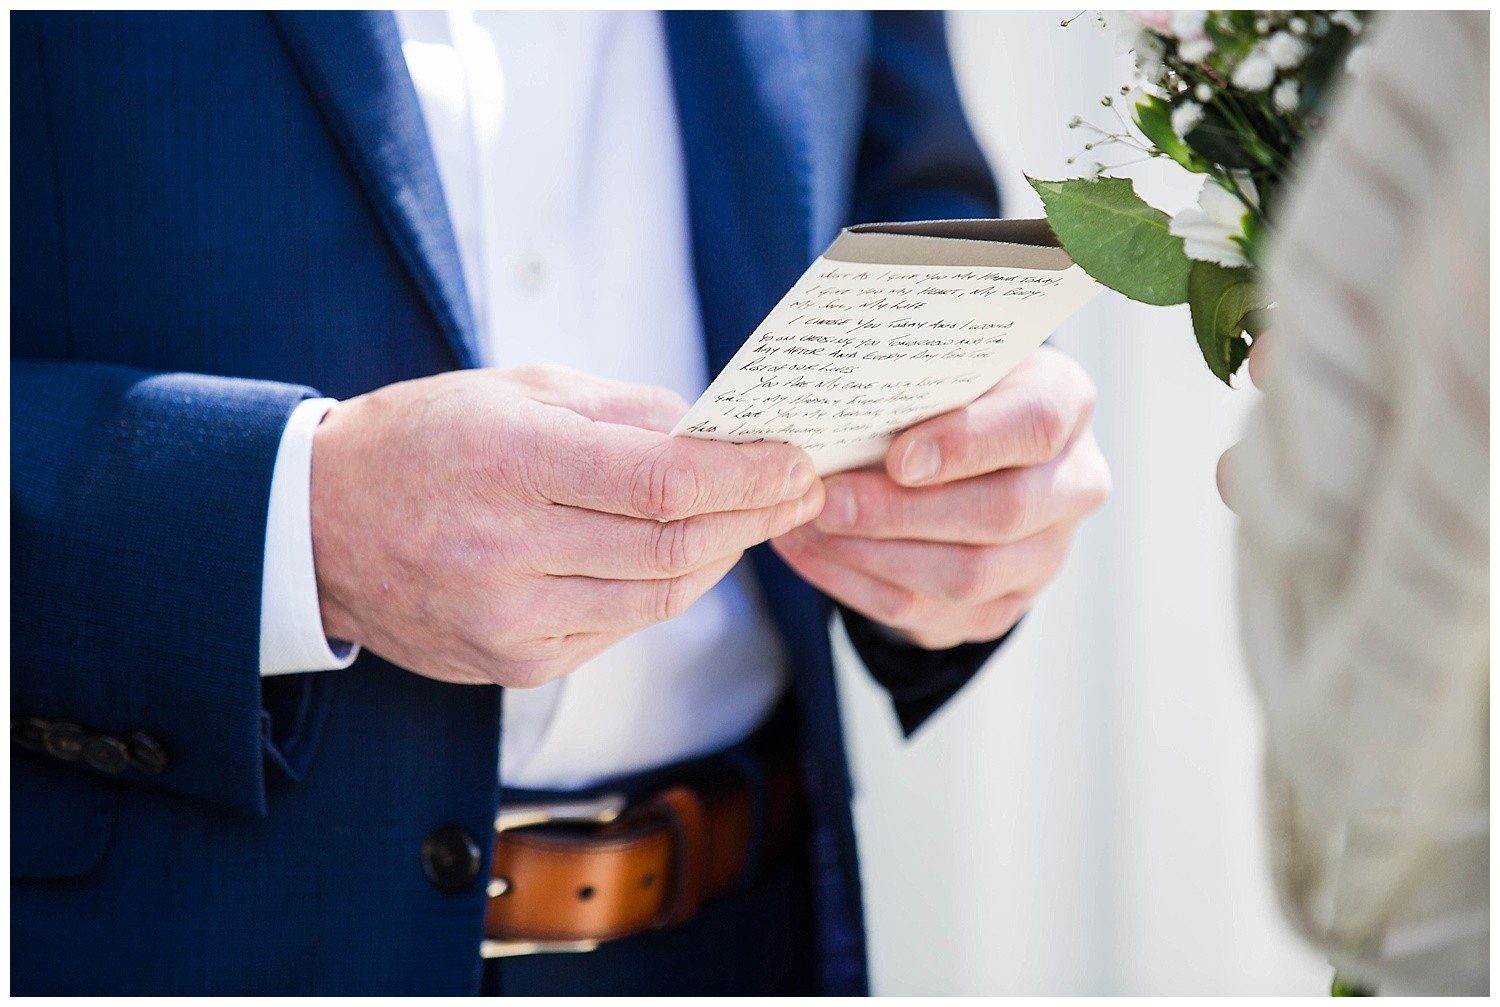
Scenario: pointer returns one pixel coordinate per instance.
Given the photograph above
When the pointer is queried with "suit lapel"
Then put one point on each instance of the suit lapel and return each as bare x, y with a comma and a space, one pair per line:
741, 83
353, 66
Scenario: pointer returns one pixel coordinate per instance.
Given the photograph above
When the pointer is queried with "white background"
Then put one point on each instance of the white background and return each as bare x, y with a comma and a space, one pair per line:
1085, 818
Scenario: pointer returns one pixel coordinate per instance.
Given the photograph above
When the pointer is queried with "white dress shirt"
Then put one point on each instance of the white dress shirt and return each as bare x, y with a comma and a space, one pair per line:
557, 142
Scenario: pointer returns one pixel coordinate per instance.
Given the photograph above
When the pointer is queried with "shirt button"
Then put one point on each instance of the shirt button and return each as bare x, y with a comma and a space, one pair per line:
450, 858
529, 273
64, 740
105, 754
146, 753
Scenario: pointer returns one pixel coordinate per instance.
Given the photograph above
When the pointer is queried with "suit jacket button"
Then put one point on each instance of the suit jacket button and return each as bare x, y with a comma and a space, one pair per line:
29, 732
105, 754
450, 858
146, 753
64, 740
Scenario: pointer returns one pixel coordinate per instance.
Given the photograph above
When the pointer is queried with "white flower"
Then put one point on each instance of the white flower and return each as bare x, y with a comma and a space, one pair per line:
1185, 117
1210, 229
1285, 50
1298, 26
1132, 35
1195, 50
1347, 19
1149, 51
1127, 28
1287, 96
1188, 23
1203, 93
1255, 72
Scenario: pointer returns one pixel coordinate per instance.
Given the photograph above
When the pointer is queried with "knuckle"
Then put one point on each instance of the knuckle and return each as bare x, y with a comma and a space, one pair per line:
777, 521
535, 375
876, 510
768, 483
672, 597
1010, 507
526, 452
676, 548
665, 488
965, 451
1043, 428
762, 478
1074, 376
902, 606
971, 576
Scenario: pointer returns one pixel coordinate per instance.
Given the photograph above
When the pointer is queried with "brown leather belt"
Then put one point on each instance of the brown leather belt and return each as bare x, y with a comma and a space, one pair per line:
570, 875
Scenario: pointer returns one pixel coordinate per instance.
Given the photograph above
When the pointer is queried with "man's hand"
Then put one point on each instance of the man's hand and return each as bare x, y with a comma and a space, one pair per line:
973, 515
502, 527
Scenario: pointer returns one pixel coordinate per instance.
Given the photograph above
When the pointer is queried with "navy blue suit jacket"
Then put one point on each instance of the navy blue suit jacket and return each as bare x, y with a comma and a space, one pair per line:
217, 215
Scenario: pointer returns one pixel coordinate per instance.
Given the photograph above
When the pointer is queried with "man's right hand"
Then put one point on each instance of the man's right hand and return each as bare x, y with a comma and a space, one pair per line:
504, 526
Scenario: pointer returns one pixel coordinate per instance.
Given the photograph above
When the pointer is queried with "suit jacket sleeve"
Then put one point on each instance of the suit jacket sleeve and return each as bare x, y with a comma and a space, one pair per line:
918, 161
138, 528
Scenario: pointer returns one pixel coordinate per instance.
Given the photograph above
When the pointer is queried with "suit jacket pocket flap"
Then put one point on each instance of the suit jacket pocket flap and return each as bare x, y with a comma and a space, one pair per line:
60, 819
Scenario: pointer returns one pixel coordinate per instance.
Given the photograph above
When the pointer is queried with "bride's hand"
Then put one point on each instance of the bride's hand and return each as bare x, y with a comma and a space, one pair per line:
1262, 352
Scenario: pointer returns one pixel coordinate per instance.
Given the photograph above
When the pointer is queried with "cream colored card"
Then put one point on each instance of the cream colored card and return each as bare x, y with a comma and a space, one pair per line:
892, 325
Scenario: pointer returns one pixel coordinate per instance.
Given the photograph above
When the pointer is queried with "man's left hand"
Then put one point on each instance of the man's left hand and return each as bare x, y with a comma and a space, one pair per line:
972, 516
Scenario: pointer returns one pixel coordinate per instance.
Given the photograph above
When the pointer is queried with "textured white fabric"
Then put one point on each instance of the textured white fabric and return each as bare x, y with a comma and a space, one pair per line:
1363, 485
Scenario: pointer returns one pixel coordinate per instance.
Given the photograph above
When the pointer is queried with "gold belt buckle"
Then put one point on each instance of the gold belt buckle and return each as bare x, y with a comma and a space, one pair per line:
594, 811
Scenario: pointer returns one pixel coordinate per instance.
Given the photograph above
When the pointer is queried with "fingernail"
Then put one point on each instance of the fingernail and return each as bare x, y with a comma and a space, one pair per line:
839, 508
920, 462
798, 481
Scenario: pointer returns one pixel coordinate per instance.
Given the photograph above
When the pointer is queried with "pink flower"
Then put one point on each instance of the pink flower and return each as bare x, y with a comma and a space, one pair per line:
1159, 21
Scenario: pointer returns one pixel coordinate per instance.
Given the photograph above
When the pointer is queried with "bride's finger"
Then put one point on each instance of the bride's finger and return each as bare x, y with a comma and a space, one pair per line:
1261, 352
1224, 475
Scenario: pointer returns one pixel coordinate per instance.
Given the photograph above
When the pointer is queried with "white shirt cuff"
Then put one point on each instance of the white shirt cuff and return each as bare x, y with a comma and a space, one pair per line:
291, 623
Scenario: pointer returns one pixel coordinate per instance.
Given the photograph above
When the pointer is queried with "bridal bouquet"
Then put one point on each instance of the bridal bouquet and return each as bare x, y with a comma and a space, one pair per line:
1231, 95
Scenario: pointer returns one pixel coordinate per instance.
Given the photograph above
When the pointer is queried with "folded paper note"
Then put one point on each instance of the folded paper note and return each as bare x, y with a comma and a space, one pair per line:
894, 324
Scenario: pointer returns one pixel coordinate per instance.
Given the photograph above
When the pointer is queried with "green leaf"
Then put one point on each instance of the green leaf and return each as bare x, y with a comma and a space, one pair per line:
1219, 299
1153, 118
1117, 237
